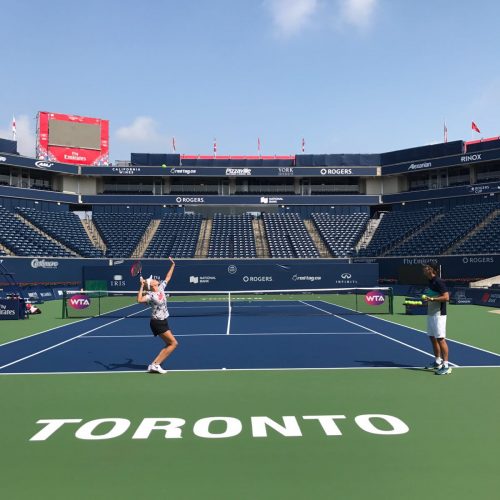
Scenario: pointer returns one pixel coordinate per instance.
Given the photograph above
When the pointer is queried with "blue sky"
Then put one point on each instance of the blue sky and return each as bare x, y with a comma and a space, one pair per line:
348, 76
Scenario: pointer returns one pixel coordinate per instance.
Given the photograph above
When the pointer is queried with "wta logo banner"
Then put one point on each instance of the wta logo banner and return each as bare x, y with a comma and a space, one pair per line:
375, 298
80, 301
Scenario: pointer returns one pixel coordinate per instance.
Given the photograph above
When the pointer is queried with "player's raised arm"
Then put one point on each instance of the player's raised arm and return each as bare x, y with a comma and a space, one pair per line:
140, 296
168, 277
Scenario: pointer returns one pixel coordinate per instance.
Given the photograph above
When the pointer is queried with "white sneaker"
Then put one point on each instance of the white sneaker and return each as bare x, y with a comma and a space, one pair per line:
156, 369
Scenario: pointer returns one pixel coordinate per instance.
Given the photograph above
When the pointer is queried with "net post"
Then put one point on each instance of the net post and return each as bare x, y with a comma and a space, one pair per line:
64, 312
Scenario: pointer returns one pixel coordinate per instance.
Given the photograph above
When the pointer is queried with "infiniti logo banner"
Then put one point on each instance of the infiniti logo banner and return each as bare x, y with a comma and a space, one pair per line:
346, 279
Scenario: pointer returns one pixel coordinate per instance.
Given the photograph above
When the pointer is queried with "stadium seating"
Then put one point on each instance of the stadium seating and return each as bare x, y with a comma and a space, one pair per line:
65, 227
288, 237
485, 240
232, 236
22, 240
176, 236
122, 232
394, 227
340, 232
445, 231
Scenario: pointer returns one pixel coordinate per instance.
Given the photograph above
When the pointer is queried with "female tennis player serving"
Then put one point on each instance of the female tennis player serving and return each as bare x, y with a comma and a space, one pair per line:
156, 298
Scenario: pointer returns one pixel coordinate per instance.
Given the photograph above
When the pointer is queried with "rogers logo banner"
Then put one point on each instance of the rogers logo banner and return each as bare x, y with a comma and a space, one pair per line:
375, 298
80, 301
44, 264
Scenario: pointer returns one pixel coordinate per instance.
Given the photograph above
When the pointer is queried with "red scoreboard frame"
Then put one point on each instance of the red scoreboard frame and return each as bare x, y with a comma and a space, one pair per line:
70, 154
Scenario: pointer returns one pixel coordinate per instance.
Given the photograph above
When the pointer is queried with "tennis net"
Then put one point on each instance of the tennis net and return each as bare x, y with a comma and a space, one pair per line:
378, 300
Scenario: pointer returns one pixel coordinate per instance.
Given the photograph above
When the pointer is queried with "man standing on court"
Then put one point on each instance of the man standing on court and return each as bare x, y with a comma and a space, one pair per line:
437, 298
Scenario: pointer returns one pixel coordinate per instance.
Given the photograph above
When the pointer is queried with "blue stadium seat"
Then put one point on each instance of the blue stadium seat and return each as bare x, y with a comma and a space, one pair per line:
22, 240
340, 233
65, 227
288, 237
176, 236
121, 232
232, 237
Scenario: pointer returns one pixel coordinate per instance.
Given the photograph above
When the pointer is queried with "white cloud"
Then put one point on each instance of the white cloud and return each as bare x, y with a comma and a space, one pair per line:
290, 16
358, 13
143, 129
25, 135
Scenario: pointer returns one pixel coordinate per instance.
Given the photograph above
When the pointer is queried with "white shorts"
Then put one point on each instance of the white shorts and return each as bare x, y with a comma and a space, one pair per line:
436, 326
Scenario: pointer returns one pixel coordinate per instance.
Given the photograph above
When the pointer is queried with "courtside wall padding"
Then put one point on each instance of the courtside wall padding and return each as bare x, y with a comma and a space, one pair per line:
233, 275
454, 267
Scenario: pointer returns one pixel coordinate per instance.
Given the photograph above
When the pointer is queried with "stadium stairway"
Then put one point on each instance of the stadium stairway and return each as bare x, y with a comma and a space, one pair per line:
317, 240
45, 235
201, 251
367, 236
146, 239
261, 244
93, 234
485, 222
5, 251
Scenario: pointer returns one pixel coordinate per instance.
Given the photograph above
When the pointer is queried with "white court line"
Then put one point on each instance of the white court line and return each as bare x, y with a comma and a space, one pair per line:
270, 334
139, 372
68, 340
424, 332
64, 326
378, 333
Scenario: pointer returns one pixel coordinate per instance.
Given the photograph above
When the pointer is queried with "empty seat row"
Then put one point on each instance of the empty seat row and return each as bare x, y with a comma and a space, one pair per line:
65, 227
176, 236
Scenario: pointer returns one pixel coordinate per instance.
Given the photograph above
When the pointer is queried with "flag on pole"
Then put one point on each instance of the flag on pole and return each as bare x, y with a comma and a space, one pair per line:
215, 147
476, 128
14, 129
173, 144
445, 133
303, 144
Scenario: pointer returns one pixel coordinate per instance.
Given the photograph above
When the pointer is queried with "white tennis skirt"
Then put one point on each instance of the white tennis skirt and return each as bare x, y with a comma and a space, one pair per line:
436, 326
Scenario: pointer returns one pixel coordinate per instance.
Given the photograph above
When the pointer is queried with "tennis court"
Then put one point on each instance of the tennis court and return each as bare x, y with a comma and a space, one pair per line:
295, 363
260, 331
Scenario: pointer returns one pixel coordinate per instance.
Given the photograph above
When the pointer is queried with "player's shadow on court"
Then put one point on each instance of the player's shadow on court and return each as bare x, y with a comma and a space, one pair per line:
127, 365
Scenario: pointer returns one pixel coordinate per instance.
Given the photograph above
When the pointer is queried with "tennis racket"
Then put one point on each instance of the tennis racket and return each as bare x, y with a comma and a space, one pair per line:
136, 269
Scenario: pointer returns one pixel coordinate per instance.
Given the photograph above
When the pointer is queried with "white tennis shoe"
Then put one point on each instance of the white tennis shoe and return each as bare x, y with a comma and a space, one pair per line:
153, 368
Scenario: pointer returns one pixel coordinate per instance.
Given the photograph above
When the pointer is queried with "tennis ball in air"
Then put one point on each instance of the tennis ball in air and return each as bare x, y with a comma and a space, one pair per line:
223, 368
164, 166
424, 297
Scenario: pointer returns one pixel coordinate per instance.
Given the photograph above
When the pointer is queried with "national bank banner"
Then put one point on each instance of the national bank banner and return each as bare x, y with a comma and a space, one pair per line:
235, 275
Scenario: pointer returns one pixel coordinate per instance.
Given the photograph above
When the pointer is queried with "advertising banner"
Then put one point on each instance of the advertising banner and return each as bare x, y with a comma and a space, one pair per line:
9, 309
186, 171
46, 270
105, 199
478, 296
447, 161
454, 267
73, 143
239, 275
